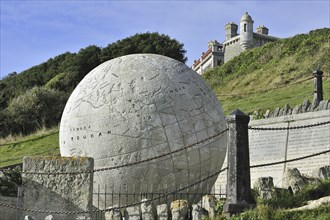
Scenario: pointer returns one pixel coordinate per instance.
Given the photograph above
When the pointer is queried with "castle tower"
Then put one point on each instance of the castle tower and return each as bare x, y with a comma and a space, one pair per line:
216, 46
262, 30
246, 31
231, 30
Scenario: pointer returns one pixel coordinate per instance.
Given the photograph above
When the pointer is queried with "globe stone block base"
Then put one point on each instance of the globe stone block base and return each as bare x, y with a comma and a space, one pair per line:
143, 106
61, 192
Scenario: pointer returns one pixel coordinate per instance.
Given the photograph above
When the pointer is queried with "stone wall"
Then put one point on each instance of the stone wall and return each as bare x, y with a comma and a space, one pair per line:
304, 107
272, 146
6, 213
60, 192
259, 41
206, 65
233, 50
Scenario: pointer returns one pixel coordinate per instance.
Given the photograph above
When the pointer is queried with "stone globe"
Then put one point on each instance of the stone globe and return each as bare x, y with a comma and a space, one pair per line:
145, 106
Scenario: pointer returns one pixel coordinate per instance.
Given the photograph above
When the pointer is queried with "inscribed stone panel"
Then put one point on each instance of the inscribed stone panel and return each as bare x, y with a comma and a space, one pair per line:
307, 141
267, 147
274, 146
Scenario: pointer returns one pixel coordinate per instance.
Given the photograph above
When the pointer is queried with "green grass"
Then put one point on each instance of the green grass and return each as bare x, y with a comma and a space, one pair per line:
264, 212
292, 95
310, 192
278, 208
270, 76
44, 143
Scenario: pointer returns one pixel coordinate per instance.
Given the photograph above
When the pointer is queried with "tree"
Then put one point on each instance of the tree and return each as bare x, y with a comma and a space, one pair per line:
145, 43
12, 74
87, 59
65, 82
38, 107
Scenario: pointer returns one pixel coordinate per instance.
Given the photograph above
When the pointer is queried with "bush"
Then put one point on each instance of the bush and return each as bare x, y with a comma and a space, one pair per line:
284, 199
65, 81
10, 179
37, 108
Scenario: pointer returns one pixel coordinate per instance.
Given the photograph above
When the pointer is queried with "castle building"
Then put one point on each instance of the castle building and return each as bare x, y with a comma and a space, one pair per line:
234, 44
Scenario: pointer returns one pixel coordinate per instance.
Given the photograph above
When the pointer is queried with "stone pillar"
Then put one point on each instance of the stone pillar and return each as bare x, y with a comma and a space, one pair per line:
264, 187
179, 210
162, 212
133, 213
318, 90
147, 211
114, 214
239, 195
209, 203
199, 213
49, 217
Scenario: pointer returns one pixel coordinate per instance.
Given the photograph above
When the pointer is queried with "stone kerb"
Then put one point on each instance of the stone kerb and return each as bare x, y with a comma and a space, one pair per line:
175, 210
59, 192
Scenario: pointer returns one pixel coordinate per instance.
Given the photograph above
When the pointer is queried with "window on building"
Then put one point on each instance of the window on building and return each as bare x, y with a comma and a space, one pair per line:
244, 27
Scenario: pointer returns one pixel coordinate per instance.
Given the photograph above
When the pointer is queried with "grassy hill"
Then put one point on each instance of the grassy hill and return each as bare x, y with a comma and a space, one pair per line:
43, 142
276, 74
263, 78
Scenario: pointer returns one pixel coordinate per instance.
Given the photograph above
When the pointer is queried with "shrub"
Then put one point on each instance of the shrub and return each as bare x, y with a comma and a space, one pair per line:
37, 108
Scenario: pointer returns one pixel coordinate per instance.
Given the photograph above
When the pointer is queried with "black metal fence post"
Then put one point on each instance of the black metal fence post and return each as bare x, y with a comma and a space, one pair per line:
318, 90
239, 195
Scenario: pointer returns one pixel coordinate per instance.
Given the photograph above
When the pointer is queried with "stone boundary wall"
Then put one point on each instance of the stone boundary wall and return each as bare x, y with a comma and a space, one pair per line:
5, 213
280, 145
59, 192
306, 106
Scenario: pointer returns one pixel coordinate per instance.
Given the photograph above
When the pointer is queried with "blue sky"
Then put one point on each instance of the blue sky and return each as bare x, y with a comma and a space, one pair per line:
34, 31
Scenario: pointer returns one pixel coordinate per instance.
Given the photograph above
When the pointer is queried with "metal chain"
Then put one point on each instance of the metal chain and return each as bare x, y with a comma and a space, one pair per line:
133, 163
289, 128
158, 197
291, 160
113, 208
